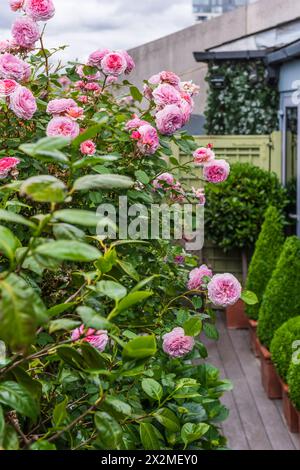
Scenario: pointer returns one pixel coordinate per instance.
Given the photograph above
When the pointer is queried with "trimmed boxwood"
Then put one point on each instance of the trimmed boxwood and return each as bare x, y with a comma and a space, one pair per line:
235, 209
294, 384
282, 345
267, 251
281, 300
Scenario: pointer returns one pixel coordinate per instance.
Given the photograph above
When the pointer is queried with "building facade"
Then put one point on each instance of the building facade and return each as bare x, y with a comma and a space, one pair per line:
207, 9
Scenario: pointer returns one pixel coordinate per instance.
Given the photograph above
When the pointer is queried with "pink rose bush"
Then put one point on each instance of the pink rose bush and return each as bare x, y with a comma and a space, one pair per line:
25, 32
224, 290
23, 103
6, 165
197, 277
176, 344
98, 339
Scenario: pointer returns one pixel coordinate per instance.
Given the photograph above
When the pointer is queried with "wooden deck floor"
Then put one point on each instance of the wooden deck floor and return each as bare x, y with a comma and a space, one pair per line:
255, 422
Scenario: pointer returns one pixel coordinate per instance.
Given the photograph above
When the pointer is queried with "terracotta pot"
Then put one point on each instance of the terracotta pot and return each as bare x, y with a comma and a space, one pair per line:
289, 411
236, 318
254, 342
269, 377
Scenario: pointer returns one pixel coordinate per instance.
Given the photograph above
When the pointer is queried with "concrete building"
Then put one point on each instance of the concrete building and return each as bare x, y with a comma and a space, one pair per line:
207, 9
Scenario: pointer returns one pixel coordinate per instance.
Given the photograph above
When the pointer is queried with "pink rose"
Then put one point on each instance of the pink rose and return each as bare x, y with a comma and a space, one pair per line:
224, 290
200, 195
134, 123
176, 344
88, 148
13, 68
166, 94
22, 103
60, 106
16, 5
162, 180
75, 113
113, 63
6, 165
84, 99
216, 171
96, 57
39, 10
25, 32
190, 88
148, 141
169, 77
203, 155
64, 81
169, 120
111, 80
7, 87
129, 61
97, 339
196, 277
186, 110
63, 126
4, 46
92, 86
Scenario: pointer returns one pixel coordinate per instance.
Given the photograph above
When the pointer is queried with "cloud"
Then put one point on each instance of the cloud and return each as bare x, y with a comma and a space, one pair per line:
117, 24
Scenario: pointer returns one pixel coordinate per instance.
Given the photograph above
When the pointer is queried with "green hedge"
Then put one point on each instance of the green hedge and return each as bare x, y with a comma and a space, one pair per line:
281, 300
264, 260
294, 384
235, 209
282, 345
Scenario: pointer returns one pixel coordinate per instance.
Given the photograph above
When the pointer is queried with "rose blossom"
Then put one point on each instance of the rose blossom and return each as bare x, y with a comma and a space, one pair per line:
169, 77
203, 155
196, 277
63, 126
60, 106
25, 32
166, 94
39, 10
129, 61
84, 99
4, 46
97, 339
75, 112
96, 57
186, 110
216, 171
13, 68
148, 141
190, 88
169, 119
111, 80
224, 290
7, 164
166, 179
88, 148
176, 344
7, 87
135, 123
200, 195
113, 63
22, 103
92, 86
16, 5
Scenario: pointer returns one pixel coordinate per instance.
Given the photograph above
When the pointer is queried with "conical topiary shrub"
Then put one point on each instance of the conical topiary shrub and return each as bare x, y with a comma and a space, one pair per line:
282, 345
264, 260
281, 300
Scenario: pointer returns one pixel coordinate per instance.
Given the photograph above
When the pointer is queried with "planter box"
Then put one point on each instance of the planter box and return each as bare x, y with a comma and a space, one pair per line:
254, 342
290, 413
236, 317
269, 377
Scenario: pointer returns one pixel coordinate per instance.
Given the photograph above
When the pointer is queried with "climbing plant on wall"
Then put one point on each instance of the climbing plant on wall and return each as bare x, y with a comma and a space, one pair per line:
246, 105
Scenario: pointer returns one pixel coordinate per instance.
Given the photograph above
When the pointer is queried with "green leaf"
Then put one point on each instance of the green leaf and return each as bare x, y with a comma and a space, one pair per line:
168, 419
109, 431
129, 269
210, 331
94, 160
191, 432
144, 283
92, 319
13, 218
249, 297
60, 413
10, 439
149, 437
193, 326
71, 357
111, 289
62, 324
47, 149
58, 309
44, 188
21, 312
78, 217
108, 261
118, 406
140, 347
153, 389
88, 134
69, 251
136, 94
94, 360
130, 300
142, 177
43, 445
68, 232
16, 397
8, 243
2, 426
106, 182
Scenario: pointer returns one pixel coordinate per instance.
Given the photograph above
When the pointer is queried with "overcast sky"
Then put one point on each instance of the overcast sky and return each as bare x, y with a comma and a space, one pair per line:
117, 24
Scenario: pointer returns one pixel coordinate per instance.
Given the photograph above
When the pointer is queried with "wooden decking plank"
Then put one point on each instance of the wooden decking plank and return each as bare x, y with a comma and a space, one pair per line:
294, 437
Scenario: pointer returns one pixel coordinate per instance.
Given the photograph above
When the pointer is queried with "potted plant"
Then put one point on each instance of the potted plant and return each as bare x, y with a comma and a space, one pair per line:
235, 213
282, 352
281, 302
294, 383
263, 263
